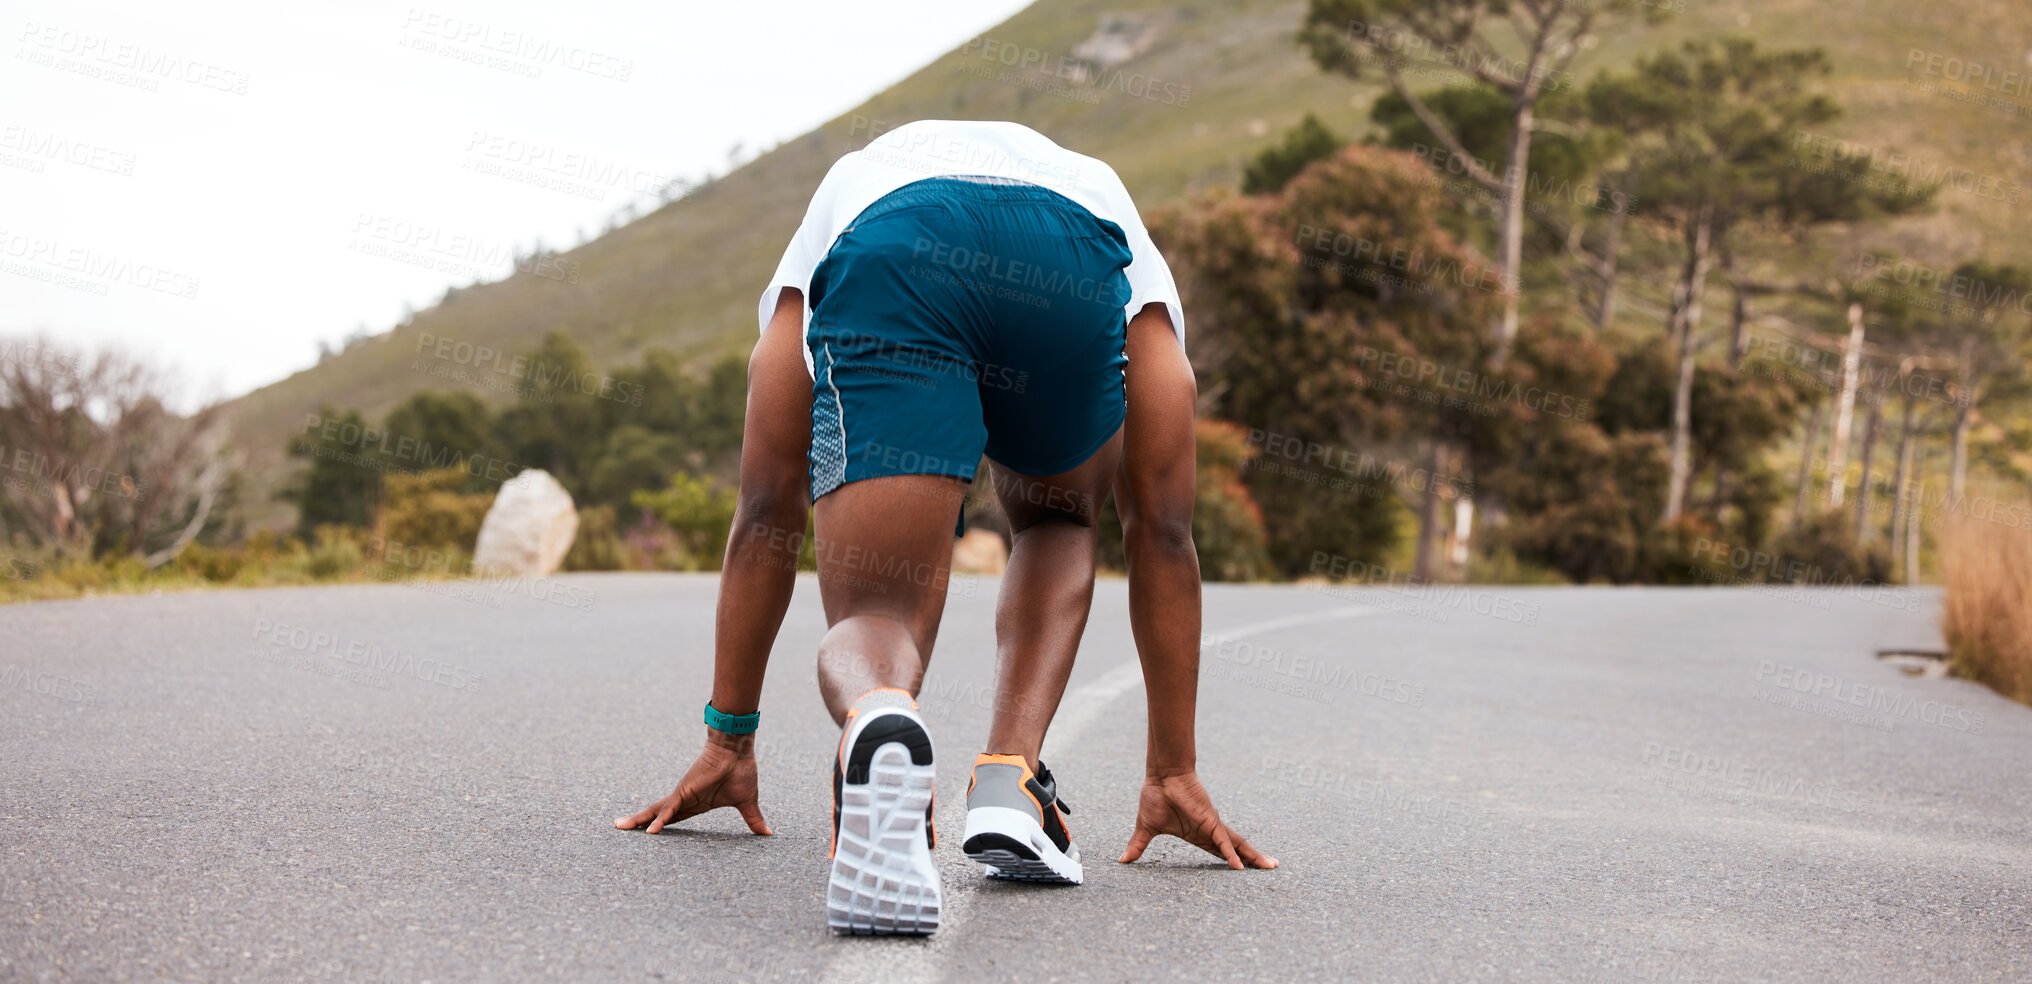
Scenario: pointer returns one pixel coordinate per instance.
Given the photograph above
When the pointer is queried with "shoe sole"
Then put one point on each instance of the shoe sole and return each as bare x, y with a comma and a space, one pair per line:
1014, 846
884, 881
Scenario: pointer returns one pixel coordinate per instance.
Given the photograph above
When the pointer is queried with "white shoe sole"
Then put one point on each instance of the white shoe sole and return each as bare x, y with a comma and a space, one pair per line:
884, 881
1013, 845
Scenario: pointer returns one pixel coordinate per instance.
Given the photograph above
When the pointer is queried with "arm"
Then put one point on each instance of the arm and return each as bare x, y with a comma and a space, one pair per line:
759, 573
1154, 494
760, 569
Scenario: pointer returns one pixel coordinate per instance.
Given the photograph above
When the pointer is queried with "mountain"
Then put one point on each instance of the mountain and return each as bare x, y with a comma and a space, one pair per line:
1176, 97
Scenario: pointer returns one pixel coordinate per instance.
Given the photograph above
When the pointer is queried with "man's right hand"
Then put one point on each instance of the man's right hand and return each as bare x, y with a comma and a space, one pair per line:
722, 775
1175, 803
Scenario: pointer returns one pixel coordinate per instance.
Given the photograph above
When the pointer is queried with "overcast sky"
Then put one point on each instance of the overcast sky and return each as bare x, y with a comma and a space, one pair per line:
187, 179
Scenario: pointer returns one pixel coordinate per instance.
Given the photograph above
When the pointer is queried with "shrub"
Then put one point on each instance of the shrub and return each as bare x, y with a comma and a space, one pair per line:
1500, 566
1823, 550
427, 510
699, 512
1227, 525
1987, 611
211, 564
653, 546
598, 545
335, 553
1309, 141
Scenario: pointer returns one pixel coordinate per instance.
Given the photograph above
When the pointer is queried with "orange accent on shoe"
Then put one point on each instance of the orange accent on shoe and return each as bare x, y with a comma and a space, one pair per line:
834, 851
1016, 760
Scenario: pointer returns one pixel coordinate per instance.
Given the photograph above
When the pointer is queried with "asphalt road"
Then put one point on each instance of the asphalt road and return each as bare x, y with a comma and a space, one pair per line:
392, 784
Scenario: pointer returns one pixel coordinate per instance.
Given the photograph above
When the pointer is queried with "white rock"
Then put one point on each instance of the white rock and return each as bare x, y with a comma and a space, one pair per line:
529, 528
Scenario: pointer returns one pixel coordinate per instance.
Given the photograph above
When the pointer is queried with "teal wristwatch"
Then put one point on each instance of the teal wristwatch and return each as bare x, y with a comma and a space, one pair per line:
733, 724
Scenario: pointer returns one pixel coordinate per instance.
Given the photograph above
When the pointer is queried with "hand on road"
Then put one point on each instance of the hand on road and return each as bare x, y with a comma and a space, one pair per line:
1178, 805
723, 775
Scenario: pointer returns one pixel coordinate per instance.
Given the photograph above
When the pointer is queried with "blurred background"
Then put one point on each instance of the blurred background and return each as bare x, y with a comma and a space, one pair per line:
1593, 292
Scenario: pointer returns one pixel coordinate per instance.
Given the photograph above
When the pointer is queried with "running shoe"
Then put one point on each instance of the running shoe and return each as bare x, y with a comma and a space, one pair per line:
1015, 823
883, 881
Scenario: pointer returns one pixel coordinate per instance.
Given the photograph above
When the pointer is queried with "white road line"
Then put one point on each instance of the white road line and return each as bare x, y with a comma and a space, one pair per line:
1083, 705
914, 961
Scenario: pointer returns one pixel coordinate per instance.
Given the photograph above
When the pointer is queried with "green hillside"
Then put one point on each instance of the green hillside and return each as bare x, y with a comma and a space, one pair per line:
686, 277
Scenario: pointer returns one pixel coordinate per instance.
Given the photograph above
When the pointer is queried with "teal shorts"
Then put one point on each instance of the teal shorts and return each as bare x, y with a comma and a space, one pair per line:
962, 316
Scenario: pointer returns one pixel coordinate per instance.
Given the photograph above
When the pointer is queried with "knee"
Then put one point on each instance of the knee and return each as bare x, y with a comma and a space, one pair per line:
1053, 507
1167, 532
1066, 520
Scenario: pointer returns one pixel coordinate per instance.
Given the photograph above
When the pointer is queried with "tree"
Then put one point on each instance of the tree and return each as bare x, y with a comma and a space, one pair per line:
634, 458
435, 429
1716, 121
1309, 141
1297, 326
557, 422
342, 486
1988, 338
1342, 35
720, 412
94, 462
1896, 328
1845, 402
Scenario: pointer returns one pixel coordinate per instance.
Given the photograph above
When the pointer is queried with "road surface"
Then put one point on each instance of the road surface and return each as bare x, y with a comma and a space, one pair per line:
396, 783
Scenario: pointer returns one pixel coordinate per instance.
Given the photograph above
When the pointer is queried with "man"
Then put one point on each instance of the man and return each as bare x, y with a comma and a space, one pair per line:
959, 288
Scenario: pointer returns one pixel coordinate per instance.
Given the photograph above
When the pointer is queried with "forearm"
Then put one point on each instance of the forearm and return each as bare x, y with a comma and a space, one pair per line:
756, 582
1164, 614
759, 572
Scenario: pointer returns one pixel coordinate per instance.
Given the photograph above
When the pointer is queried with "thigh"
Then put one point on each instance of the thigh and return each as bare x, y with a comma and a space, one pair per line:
884, 548
1073, 497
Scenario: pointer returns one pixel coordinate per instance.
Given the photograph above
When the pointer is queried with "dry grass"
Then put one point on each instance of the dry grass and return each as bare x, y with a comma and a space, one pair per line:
1987, 573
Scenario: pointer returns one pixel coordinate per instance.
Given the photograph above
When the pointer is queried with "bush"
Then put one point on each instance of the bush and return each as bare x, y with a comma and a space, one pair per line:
653, 546
427, 510
1823, 550
1671, 553
1227, 525
1309, 141
1585, 504
1987, 615
211, 564
336, 553
1503, 567
598, 545
699, 512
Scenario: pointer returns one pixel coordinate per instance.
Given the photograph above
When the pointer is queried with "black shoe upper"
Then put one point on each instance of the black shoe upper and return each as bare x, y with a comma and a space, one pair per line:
1045, 787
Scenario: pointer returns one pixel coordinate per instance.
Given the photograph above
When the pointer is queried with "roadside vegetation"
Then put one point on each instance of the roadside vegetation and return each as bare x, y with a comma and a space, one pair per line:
1987, 614
1587, 319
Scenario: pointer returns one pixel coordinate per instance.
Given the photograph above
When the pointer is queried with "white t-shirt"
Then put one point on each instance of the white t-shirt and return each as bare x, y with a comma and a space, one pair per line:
934, 148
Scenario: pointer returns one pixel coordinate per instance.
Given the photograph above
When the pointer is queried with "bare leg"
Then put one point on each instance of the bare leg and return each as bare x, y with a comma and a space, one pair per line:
1046, 595
885, 554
